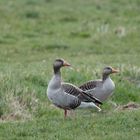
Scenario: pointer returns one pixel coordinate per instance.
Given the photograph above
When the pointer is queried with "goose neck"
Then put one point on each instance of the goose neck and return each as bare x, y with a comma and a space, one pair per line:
105, 76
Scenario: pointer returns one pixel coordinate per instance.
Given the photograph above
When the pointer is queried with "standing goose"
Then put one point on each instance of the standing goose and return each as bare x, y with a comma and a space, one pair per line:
100, 89
65, 95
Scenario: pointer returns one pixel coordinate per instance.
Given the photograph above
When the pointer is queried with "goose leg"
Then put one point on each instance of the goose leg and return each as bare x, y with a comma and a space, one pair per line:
65, 113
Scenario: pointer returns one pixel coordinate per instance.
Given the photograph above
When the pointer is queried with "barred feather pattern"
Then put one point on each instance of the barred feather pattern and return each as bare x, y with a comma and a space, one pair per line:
75, 91
70, 89
89, 85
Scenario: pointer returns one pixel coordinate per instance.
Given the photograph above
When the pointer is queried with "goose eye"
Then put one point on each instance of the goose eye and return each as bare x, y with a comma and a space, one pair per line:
108, 68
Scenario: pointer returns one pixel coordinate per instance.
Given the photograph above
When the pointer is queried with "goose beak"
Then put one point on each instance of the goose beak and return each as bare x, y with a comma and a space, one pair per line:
66, 64
115, 70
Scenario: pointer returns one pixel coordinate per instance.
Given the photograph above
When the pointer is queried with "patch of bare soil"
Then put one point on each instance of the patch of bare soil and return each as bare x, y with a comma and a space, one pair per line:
128, 106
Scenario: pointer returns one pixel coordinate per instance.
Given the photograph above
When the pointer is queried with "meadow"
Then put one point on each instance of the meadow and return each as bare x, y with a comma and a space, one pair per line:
89, 34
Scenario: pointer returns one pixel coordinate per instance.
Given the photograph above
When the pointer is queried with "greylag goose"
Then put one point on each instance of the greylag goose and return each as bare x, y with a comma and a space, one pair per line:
100, 89
64, 95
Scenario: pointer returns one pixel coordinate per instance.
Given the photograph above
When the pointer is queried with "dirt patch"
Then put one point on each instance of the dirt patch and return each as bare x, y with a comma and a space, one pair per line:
128, 106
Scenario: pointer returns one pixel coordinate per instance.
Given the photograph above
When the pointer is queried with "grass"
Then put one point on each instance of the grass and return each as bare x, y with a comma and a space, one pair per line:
89, 35
98, 126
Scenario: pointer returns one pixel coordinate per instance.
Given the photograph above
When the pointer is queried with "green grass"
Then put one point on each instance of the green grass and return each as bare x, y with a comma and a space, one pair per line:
122, 125
89, 34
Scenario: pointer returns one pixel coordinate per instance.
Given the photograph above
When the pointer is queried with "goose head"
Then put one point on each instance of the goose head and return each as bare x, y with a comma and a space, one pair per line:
59, 63
108, 70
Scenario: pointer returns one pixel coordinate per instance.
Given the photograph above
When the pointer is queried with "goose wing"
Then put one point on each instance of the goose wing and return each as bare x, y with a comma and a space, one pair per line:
90, 85
71, 89
75, 91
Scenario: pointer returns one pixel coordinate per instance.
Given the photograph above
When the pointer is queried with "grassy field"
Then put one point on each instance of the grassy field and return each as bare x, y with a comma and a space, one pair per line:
89, 34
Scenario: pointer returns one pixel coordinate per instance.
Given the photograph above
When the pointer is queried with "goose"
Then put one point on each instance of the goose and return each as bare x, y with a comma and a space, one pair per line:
65, 95
100, 89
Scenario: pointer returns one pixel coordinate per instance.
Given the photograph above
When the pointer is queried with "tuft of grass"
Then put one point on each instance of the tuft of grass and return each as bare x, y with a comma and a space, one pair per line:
68, 19
80, 34
32, 14
53, 46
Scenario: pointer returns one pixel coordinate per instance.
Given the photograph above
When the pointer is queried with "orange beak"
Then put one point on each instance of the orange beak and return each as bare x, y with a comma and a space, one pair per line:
66, 64
114, 70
